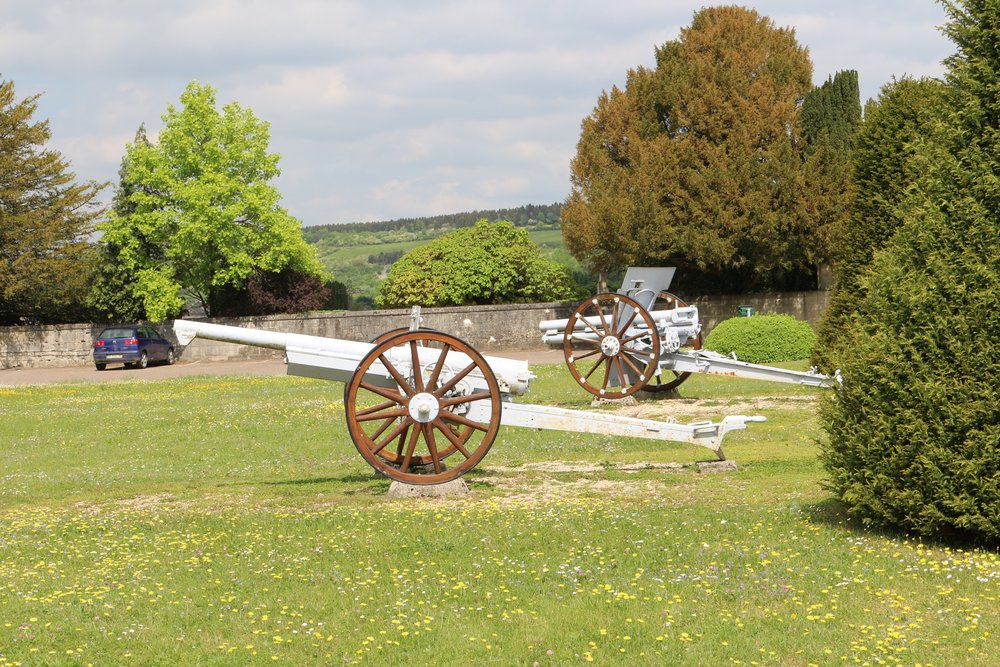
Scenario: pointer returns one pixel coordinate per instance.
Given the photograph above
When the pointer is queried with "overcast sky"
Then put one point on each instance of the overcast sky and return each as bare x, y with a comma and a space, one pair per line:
386, 109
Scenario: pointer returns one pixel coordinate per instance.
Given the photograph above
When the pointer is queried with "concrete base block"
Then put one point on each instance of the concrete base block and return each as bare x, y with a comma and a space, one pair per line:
717, 466
668, 395
456, 487
627, 400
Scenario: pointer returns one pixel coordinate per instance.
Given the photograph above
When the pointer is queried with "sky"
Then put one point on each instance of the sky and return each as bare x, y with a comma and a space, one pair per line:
385, 109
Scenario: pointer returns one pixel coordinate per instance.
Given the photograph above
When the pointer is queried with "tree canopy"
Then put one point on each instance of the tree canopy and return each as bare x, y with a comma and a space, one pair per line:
914, 432
699, 162
882, 172
485, 263
197, 215
45, 219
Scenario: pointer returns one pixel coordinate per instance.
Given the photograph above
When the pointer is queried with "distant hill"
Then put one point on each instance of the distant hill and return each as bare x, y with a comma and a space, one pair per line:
390, 231
359, 253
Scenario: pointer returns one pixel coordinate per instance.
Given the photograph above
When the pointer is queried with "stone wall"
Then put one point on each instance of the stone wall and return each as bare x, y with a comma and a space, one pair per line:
489, 329
808, 306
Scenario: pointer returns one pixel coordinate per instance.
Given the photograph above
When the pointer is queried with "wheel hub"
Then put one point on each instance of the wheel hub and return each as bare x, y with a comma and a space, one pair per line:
610, 346
424, 408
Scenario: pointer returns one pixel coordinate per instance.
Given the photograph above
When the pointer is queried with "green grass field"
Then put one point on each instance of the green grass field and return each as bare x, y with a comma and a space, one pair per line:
229, 521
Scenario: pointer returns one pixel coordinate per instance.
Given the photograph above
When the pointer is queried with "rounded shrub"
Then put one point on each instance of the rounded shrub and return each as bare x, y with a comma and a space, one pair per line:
763, 339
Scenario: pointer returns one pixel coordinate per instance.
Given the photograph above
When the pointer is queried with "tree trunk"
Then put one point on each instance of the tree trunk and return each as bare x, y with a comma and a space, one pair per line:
602, 281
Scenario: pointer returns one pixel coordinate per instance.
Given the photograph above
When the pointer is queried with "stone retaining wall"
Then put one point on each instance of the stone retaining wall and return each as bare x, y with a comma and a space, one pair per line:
489, 329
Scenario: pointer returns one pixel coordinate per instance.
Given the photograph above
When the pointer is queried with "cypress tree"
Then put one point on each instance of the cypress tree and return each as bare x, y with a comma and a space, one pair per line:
881, 173
914, 433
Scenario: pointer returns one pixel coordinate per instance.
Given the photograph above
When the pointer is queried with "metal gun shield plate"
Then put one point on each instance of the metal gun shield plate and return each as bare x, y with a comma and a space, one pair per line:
427, 413
619, 337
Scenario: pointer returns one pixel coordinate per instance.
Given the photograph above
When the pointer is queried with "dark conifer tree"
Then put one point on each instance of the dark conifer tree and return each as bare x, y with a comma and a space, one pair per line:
914, 432
45, 220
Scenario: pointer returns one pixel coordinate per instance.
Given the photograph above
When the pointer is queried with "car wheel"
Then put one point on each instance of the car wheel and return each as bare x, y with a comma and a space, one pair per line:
170, 357
100, 366
143, 360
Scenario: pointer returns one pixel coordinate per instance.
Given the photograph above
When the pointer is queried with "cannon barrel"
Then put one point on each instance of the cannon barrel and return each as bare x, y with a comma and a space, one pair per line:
337, 359
676, 317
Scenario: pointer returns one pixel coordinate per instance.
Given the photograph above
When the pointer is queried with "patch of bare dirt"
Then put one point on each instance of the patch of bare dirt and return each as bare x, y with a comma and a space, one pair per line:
701, 407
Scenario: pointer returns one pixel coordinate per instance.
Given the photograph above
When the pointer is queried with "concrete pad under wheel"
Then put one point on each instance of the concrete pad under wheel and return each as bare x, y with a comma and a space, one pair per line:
456, 487
717, 466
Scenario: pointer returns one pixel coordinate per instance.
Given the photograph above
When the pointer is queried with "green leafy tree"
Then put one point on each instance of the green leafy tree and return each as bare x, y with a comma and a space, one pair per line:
882, 171
200, 215
45, 220
113, 295
485, 263
914, 433
698, 162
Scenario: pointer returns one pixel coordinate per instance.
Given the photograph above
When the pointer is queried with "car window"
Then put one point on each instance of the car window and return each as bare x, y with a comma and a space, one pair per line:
116, 332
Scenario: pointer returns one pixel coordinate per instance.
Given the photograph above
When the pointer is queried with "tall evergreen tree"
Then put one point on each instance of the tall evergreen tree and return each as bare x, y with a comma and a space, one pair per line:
831, 113
45, 219
830, 116
914, 433
703, 167
882, 172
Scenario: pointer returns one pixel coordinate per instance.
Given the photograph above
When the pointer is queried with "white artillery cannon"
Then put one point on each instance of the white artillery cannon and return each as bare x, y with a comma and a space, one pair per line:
617, 344
415, 397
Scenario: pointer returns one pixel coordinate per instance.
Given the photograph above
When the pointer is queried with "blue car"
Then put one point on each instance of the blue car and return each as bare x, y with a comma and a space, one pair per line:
134, 345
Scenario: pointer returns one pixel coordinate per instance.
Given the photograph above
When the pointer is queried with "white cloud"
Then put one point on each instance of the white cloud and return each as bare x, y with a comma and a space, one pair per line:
383, 108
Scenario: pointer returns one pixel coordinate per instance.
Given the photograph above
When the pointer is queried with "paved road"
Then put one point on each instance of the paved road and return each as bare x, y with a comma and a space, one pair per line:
21, 376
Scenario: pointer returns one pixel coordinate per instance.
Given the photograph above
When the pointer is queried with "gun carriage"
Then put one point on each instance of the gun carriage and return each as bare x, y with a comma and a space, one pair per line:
423, 407
645, 338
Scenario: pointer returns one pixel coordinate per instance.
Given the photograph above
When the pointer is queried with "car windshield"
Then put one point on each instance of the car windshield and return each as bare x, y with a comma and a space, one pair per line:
117, 332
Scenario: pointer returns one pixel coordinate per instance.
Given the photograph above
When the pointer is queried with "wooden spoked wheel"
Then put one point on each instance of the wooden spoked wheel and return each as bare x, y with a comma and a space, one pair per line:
668, 379
417, 398
395, 332
611, 346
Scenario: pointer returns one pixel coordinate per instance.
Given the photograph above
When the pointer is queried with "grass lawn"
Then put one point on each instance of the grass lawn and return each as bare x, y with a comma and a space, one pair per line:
229, 521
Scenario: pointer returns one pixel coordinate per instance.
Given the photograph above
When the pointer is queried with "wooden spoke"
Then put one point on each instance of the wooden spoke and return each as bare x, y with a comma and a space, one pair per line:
620, 333
424, 438
432, 447
586, 355
580, 338
392, 414
458, 400
384, 392
600, 313
628, 364
450, 384
403, 383
436, 373
603, 361
418, 376
410, 448
402, 426
627, 360
457, 443
377, 408
459, 419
